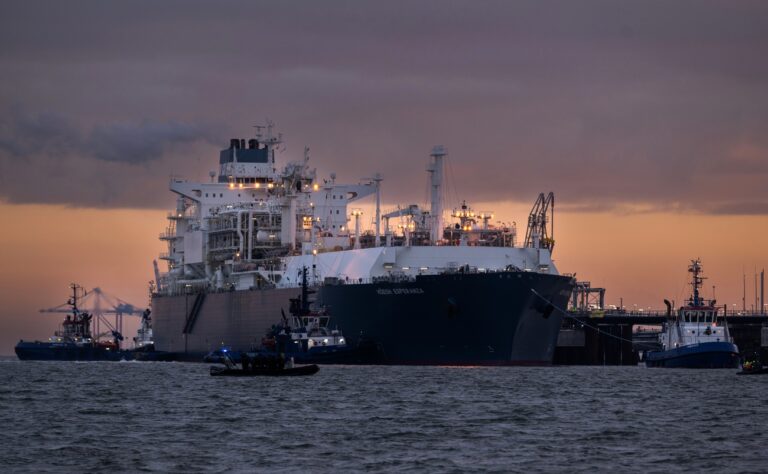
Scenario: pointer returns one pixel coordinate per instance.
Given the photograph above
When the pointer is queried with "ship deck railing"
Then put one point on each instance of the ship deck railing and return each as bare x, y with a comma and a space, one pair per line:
403, 277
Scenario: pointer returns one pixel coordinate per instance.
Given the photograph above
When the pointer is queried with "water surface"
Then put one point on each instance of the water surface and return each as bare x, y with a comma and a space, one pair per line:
158, 417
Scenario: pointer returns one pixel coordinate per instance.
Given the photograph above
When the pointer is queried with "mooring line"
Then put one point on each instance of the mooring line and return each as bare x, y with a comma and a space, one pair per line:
567, 315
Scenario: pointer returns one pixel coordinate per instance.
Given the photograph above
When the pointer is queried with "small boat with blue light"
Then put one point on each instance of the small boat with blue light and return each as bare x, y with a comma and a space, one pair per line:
273, 365
692, 338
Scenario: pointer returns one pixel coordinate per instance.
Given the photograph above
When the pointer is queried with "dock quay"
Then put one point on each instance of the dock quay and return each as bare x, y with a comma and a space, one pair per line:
616, 337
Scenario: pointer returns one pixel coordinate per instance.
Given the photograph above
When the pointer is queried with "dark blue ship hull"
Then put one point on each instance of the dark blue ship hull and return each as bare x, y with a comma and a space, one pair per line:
707, 355
493, 318
38, 350
366, 352
454, 319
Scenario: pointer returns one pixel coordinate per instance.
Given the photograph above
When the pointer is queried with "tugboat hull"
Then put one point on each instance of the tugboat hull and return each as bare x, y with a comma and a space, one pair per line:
707, 355
61, 351
271, 372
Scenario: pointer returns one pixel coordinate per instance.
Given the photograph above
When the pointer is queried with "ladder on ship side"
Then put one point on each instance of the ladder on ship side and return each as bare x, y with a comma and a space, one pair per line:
194, 312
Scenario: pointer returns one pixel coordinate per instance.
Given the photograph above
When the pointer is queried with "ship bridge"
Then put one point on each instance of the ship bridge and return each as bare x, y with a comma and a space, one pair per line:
238, 164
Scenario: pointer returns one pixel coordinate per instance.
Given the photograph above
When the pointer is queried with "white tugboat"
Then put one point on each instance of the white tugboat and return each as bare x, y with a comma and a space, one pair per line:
693, 339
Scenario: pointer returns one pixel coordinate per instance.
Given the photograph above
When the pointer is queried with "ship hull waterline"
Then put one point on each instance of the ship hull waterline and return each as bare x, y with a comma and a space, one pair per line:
708, 355
494, 318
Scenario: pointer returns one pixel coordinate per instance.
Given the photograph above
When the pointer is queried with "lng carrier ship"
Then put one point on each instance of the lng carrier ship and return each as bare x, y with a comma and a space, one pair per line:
424, 291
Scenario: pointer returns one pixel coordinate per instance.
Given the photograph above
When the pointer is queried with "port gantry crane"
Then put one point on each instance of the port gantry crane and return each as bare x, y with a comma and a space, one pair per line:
100, 304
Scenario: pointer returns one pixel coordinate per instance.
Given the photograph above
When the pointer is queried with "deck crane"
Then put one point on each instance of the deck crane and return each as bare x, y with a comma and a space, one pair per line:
411, 212
541, 223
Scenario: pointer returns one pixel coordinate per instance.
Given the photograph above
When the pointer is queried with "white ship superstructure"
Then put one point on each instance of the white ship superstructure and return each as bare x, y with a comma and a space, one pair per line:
255, 225
424, 285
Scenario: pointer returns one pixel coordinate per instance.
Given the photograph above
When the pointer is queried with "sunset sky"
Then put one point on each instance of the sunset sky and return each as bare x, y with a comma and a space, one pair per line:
649, 121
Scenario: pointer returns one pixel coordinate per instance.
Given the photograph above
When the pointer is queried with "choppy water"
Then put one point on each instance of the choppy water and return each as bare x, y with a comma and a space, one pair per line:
102, 416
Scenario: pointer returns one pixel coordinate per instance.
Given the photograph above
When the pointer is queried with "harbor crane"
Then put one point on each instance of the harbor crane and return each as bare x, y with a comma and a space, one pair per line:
541, 223
102, 306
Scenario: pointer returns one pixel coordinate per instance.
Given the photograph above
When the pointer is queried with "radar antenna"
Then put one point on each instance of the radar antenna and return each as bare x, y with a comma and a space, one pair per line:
697, 282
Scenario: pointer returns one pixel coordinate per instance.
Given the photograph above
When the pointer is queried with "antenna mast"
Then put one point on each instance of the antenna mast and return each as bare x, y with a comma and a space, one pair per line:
435, 169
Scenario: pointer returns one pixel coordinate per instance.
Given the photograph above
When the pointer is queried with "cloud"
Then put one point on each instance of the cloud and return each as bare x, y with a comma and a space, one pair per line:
25, 134
754, 207
139, 143
47, 158
611, 105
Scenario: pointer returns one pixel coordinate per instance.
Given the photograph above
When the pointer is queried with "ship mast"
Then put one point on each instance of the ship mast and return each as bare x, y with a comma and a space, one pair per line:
377, 180
697, 282
435, 169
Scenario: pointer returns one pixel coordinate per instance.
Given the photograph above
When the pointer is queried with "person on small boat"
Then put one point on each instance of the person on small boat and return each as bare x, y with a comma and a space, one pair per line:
227, 361
752, 363
282, 342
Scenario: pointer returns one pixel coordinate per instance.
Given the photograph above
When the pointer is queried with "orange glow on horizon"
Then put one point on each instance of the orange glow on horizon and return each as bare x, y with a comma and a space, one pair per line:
44, 248
641, 258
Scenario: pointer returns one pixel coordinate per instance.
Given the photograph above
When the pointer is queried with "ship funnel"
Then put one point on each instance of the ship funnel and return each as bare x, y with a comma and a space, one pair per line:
669, 307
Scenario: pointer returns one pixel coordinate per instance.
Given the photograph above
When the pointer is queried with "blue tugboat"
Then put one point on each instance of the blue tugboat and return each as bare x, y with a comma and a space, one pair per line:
693, 339
74, 340
307, 336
